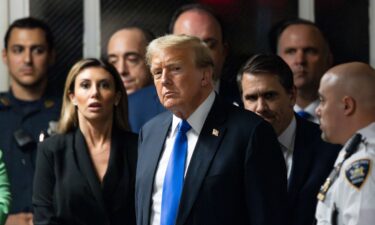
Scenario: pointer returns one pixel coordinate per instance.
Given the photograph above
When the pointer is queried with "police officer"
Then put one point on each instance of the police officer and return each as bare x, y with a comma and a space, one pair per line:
27, 109
347, 117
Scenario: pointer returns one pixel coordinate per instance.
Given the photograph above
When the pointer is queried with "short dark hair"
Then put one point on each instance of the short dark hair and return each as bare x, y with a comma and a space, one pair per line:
278, 29
268, 64
30, 23
196, 7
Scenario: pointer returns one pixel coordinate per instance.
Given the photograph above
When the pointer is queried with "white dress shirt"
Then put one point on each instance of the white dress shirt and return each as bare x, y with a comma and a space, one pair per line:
310, 109
196, 121
286, 139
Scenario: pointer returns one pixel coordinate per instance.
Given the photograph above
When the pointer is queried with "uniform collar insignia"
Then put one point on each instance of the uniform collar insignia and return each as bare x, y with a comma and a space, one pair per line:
48, 103
5, 101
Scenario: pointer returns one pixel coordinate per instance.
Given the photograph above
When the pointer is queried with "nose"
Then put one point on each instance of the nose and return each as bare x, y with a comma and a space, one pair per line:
27, 57
94, 91
165, 77
300, 58
122, 67
261, 106
318, 111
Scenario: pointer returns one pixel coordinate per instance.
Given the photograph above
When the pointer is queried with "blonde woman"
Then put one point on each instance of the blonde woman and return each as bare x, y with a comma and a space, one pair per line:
85, 174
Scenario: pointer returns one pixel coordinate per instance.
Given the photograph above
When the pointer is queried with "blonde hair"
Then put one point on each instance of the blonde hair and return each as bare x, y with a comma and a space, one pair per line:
69, 117
202, 55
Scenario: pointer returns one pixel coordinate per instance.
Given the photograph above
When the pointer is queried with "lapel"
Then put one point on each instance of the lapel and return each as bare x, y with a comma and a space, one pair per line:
150, 158
302, 158
87, 168
204, 152
115, 172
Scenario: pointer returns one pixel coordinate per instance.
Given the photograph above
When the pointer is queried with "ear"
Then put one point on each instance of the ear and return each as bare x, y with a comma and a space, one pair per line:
4, 55
207, 76
117, 98
349, 105
72, 98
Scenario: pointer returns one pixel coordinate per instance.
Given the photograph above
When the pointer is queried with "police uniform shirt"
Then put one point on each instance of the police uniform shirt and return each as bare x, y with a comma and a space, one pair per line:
351, 198
21, 123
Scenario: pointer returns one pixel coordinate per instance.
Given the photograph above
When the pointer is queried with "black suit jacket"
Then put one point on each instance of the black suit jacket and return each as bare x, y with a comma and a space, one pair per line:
313, 160
68, 191
235, 177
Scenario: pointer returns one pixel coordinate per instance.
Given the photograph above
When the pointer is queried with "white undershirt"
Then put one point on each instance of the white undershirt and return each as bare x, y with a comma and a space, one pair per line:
196, 121
286, 139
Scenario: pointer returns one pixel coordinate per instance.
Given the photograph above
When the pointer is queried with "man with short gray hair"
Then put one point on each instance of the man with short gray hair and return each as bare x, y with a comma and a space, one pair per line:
204, 161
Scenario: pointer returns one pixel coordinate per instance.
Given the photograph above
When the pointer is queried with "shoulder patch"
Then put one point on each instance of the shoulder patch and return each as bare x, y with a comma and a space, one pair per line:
357, 172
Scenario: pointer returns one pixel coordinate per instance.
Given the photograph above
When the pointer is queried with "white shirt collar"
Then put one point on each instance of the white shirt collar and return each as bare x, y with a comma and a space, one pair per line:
286, 138
309, 109
197, 118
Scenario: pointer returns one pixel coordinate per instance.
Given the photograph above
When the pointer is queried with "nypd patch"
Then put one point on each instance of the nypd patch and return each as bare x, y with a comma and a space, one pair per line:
357, 172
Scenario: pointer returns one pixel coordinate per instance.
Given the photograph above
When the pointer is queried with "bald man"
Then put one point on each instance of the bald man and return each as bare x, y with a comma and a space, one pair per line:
201, 21
303, 47
347, 117
126, 51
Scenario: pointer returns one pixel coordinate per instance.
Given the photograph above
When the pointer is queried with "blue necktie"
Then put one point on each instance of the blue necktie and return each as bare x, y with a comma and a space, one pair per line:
174, 177
304, 114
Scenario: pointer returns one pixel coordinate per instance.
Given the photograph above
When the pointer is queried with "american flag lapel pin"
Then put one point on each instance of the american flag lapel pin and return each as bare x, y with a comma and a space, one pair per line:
215, 132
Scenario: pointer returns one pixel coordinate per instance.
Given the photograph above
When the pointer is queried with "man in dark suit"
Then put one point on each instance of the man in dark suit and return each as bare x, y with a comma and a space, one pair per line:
126, 51
268, 90
225, 168
201, 21
302, 45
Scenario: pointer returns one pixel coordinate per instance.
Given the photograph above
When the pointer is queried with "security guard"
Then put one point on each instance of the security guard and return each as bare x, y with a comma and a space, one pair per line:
26, 110
347, 117
21, 125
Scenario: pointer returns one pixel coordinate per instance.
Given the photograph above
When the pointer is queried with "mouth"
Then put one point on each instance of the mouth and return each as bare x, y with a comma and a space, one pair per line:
27, 70
95, 106
299, 71
169, 94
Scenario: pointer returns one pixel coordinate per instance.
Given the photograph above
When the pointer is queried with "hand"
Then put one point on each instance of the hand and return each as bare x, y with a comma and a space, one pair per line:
20, 219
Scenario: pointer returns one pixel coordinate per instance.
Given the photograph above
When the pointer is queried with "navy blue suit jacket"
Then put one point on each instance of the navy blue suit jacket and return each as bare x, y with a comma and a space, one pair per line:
313, 160
143, 105
236, 175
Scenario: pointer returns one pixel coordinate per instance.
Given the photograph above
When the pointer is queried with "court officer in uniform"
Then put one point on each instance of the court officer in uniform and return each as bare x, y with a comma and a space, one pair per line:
27, 109
347, 117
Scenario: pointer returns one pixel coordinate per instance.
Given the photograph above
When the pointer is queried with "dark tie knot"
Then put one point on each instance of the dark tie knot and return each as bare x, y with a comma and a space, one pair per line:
304, 114
184, 127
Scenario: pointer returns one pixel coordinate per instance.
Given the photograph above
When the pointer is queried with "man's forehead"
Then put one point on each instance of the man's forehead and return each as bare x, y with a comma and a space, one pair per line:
301, 32
198, 23
21, 36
